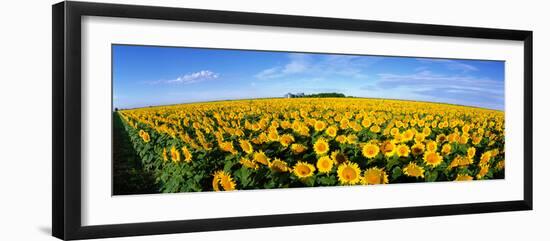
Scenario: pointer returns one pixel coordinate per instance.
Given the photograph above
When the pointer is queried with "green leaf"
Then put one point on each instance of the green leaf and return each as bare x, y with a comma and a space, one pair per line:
432, 176
396, 173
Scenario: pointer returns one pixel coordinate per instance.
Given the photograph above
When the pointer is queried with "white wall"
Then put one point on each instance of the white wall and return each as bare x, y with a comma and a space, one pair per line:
25, 119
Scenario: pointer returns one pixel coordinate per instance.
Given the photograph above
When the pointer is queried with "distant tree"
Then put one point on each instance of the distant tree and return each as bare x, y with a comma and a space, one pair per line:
326, 95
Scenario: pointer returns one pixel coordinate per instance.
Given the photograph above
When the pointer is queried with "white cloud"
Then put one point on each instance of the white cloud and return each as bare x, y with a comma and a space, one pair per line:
451, 64
458, 89
319, 65
195, 77
189, 78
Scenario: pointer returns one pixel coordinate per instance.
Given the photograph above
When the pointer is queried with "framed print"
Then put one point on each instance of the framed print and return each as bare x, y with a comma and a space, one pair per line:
169, 120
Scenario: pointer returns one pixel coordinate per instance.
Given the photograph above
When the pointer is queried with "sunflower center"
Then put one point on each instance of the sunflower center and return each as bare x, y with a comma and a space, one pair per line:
349, 173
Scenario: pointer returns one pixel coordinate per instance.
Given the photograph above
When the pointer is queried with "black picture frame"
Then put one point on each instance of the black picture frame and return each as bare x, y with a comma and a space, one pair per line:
66, 158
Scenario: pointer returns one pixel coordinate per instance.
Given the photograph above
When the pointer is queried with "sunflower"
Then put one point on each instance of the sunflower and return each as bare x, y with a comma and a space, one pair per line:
146, 138
417, 149
164, 155
394, 131
375, 175
321, 146
227, 146
341, 139
370, 150
485, 157
332, 131
366, 123
186, 154
260, 157
419, 137
175, 154
471, 152
388, 148
432, 158
426, 131
338, 157
297, 148
303, 170
441, 138
351, 139
403, 150
223, 181
460, 161
248, 163
483, 170
463, 177
349, 173
431, 146
319, 125
500, 165
446, 149
324, 164
375, 129
278, 165
246, 146
413, 170
408, 135
286, 140
463, 139
273, 135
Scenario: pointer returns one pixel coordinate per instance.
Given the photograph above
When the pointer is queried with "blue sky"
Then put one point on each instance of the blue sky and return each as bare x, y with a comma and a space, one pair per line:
148, 76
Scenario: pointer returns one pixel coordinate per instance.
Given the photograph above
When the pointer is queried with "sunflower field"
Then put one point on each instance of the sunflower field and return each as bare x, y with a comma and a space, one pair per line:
306, 142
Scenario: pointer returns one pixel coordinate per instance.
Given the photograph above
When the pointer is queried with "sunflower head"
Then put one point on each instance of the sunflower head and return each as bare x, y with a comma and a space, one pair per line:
332, 131
417, 149
463, 177
319, 125
164, 154
273, 135
370, 150
388, 148
375, 175
324, 164
248, 163
483, 170
349, 173
278, 165
403, 150
441, 138
338, 157
431, 146
303, 170
352, 139
246, 146
227, 146
187, 154
223, 181
297, 148
432, 158
446, 149
321, 146
175, 154
260, 157
375, 129
366, 122
413, 170
471, 152
341, 139
145, 136
485, 158
286, 139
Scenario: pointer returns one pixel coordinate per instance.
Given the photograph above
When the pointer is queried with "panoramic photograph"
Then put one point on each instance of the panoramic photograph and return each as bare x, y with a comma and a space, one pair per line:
200, 119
